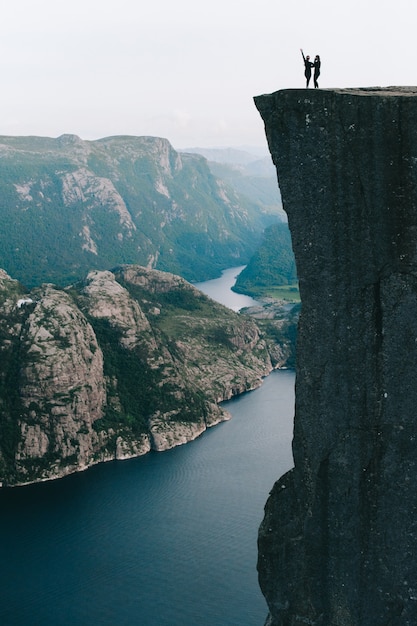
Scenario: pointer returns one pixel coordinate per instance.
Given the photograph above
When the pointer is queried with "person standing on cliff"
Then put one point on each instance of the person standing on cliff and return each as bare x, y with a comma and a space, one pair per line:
307, 67
316, 65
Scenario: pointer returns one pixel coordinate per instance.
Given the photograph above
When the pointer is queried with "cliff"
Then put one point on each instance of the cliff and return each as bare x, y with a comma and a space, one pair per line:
116, 365
338, 543
68, 206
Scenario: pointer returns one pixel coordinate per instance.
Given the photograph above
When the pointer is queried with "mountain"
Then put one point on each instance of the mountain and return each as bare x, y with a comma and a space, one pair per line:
120, 363
233, 156
68, 206
272, 266
251, 174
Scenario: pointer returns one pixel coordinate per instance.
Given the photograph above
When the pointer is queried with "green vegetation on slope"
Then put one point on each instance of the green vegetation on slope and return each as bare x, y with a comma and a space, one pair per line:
146, 345
271, 271
68, 206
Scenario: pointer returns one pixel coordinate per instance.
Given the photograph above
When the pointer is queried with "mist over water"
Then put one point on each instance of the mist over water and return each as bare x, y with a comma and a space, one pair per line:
168, 539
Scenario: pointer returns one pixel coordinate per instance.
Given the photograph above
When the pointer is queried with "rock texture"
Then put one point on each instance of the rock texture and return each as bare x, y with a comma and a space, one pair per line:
338, 543
116, 365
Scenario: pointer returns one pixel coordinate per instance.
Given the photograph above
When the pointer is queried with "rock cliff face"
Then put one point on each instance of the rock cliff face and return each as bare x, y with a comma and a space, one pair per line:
338, 543
114, 366
95, 204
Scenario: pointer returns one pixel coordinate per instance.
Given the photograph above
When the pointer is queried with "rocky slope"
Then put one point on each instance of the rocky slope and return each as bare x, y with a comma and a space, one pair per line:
116, 365
68, 206
338, 543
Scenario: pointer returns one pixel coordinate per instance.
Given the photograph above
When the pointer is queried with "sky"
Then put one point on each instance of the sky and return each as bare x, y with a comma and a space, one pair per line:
186, 70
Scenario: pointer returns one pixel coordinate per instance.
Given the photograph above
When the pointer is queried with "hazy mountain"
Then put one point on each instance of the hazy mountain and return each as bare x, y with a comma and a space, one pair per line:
68, 206
232, 156
251, 174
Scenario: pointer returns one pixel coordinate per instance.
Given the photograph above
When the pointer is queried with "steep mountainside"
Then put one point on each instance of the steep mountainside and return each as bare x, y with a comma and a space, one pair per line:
116, 365
68, 206
338, 543
272, 265
248, 174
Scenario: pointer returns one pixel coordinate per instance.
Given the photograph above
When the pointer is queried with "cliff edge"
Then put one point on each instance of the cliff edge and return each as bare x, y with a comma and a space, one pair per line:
338, 543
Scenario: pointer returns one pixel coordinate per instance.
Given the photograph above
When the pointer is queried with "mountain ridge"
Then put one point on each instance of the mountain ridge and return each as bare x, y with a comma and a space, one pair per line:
69, 205
120, 363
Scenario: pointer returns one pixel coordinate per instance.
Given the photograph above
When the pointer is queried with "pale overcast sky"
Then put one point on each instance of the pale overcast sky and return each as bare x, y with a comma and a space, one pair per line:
186, 70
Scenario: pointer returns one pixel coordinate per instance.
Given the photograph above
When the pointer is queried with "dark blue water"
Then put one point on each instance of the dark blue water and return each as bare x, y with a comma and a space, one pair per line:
168, 539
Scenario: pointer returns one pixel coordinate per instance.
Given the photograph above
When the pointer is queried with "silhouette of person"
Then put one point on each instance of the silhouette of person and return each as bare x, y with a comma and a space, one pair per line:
307, 65
316, 65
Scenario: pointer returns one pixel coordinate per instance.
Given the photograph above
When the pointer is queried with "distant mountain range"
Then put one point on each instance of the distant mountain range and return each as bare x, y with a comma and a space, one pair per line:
68, 206
252, 174
104, 356
235, 156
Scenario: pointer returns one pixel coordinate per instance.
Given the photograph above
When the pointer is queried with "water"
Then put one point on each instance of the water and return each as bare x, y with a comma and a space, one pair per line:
220, 290
168, 539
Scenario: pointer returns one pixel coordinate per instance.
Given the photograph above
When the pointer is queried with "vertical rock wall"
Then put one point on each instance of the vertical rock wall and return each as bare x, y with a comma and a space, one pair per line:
338, 544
